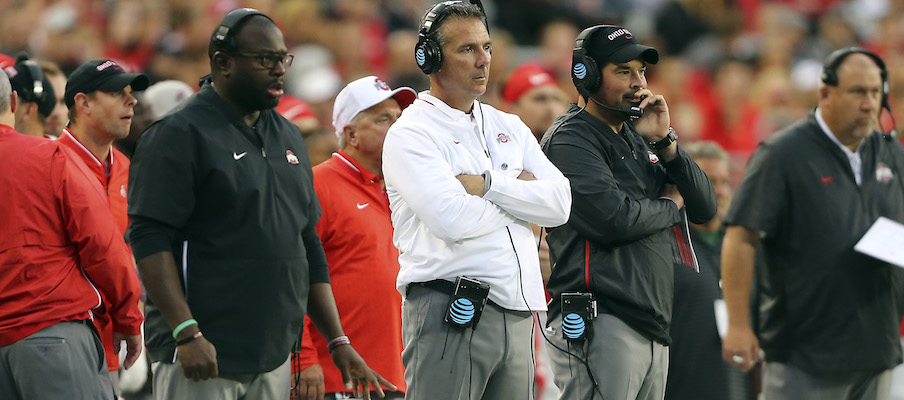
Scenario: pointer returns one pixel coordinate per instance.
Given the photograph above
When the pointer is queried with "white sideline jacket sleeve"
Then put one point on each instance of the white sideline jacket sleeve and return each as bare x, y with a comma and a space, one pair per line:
414, 166
545, 201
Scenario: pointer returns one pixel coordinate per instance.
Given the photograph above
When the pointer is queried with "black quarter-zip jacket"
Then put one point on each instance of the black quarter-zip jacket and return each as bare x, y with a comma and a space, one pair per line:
618, 241
236, 206
824, 307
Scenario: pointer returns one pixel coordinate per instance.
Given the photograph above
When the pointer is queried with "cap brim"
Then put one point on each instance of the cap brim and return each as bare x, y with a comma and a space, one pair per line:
631, 52
405, 96
118, 82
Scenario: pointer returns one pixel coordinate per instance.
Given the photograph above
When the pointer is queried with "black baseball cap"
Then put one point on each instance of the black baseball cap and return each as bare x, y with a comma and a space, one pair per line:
27, 79
614, 44
103, 75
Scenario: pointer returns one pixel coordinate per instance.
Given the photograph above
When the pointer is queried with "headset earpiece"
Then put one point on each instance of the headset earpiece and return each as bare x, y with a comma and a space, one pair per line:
33, 85
585, 72
428, 54
36, 91
224, 35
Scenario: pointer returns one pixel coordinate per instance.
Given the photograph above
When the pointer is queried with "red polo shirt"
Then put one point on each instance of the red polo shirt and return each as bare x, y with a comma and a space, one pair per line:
116, 187
357, 237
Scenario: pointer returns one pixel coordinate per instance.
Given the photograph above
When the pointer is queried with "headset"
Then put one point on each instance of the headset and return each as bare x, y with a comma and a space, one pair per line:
586, 75
427, 52
38, 90
830, 77
224, 35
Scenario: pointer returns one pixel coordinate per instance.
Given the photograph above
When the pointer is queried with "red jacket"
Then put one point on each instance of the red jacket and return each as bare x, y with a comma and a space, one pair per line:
61, 254
357, 237
115, 185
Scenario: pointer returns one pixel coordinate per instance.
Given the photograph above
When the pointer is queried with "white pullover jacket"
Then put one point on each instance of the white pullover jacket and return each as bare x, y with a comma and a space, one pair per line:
443, 232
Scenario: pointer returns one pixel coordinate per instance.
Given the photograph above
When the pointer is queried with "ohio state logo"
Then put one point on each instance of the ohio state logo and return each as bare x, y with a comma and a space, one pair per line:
108, 64
653, 157
620, 32
884, 173
502, 138
291, 157
380, 84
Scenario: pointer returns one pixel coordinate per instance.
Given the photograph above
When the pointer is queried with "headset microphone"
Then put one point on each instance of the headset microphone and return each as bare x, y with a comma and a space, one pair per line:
630, 112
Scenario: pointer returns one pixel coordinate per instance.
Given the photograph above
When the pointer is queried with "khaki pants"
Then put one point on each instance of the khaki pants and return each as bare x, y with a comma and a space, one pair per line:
171, 384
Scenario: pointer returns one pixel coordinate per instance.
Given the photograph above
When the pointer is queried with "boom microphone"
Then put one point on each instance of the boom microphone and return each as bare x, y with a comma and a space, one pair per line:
630, 112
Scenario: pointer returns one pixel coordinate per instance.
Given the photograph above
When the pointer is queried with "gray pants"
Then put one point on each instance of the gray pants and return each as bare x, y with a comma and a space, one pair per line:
624, 363
786, 382
492, 362
171, 384
61, 361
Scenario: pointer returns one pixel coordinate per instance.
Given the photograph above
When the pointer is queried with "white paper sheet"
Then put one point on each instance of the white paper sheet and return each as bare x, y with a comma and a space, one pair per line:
884, 241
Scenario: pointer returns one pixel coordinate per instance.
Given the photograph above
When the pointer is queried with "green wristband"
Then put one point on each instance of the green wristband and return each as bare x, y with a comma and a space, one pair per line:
182, 326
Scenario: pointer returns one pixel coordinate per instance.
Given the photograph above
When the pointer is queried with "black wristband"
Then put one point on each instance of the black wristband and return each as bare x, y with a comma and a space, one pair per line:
189, 339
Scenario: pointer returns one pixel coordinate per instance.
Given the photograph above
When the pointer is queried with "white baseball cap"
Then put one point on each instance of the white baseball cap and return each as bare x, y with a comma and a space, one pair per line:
163, 96
365, 93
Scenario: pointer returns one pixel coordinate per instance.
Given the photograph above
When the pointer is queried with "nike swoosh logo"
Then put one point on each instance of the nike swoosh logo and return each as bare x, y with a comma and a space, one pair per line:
362, 206
826, 179
237, 156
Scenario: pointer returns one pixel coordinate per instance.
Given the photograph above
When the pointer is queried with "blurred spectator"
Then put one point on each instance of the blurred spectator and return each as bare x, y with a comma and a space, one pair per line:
404, 72
522, 17
129, 34
503, 52
696, 368
532, 94
556, 44
56, 121
833, 31
358, 38
6, 61
66, 36
181, 52
677, 81
163, 96
314, 80
153, 103
320, 143
730, 117
36, 95
141, 119
298, 112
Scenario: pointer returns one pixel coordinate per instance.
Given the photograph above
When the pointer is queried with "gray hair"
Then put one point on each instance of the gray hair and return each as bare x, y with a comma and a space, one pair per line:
5, 91
455, 10
354, 124
706, 149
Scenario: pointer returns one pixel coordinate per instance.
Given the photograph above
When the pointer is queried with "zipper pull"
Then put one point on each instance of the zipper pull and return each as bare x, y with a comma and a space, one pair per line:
264, 152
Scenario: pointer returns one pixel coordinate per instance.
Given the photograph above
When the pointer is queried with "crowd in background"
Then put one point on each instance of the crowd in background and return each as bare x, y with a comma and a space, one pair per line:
734, 71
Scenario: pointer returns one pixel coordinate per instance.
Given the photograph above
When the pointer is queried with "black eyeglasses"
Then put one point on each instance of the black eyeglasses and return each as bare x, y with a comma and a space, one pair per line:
269, 60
